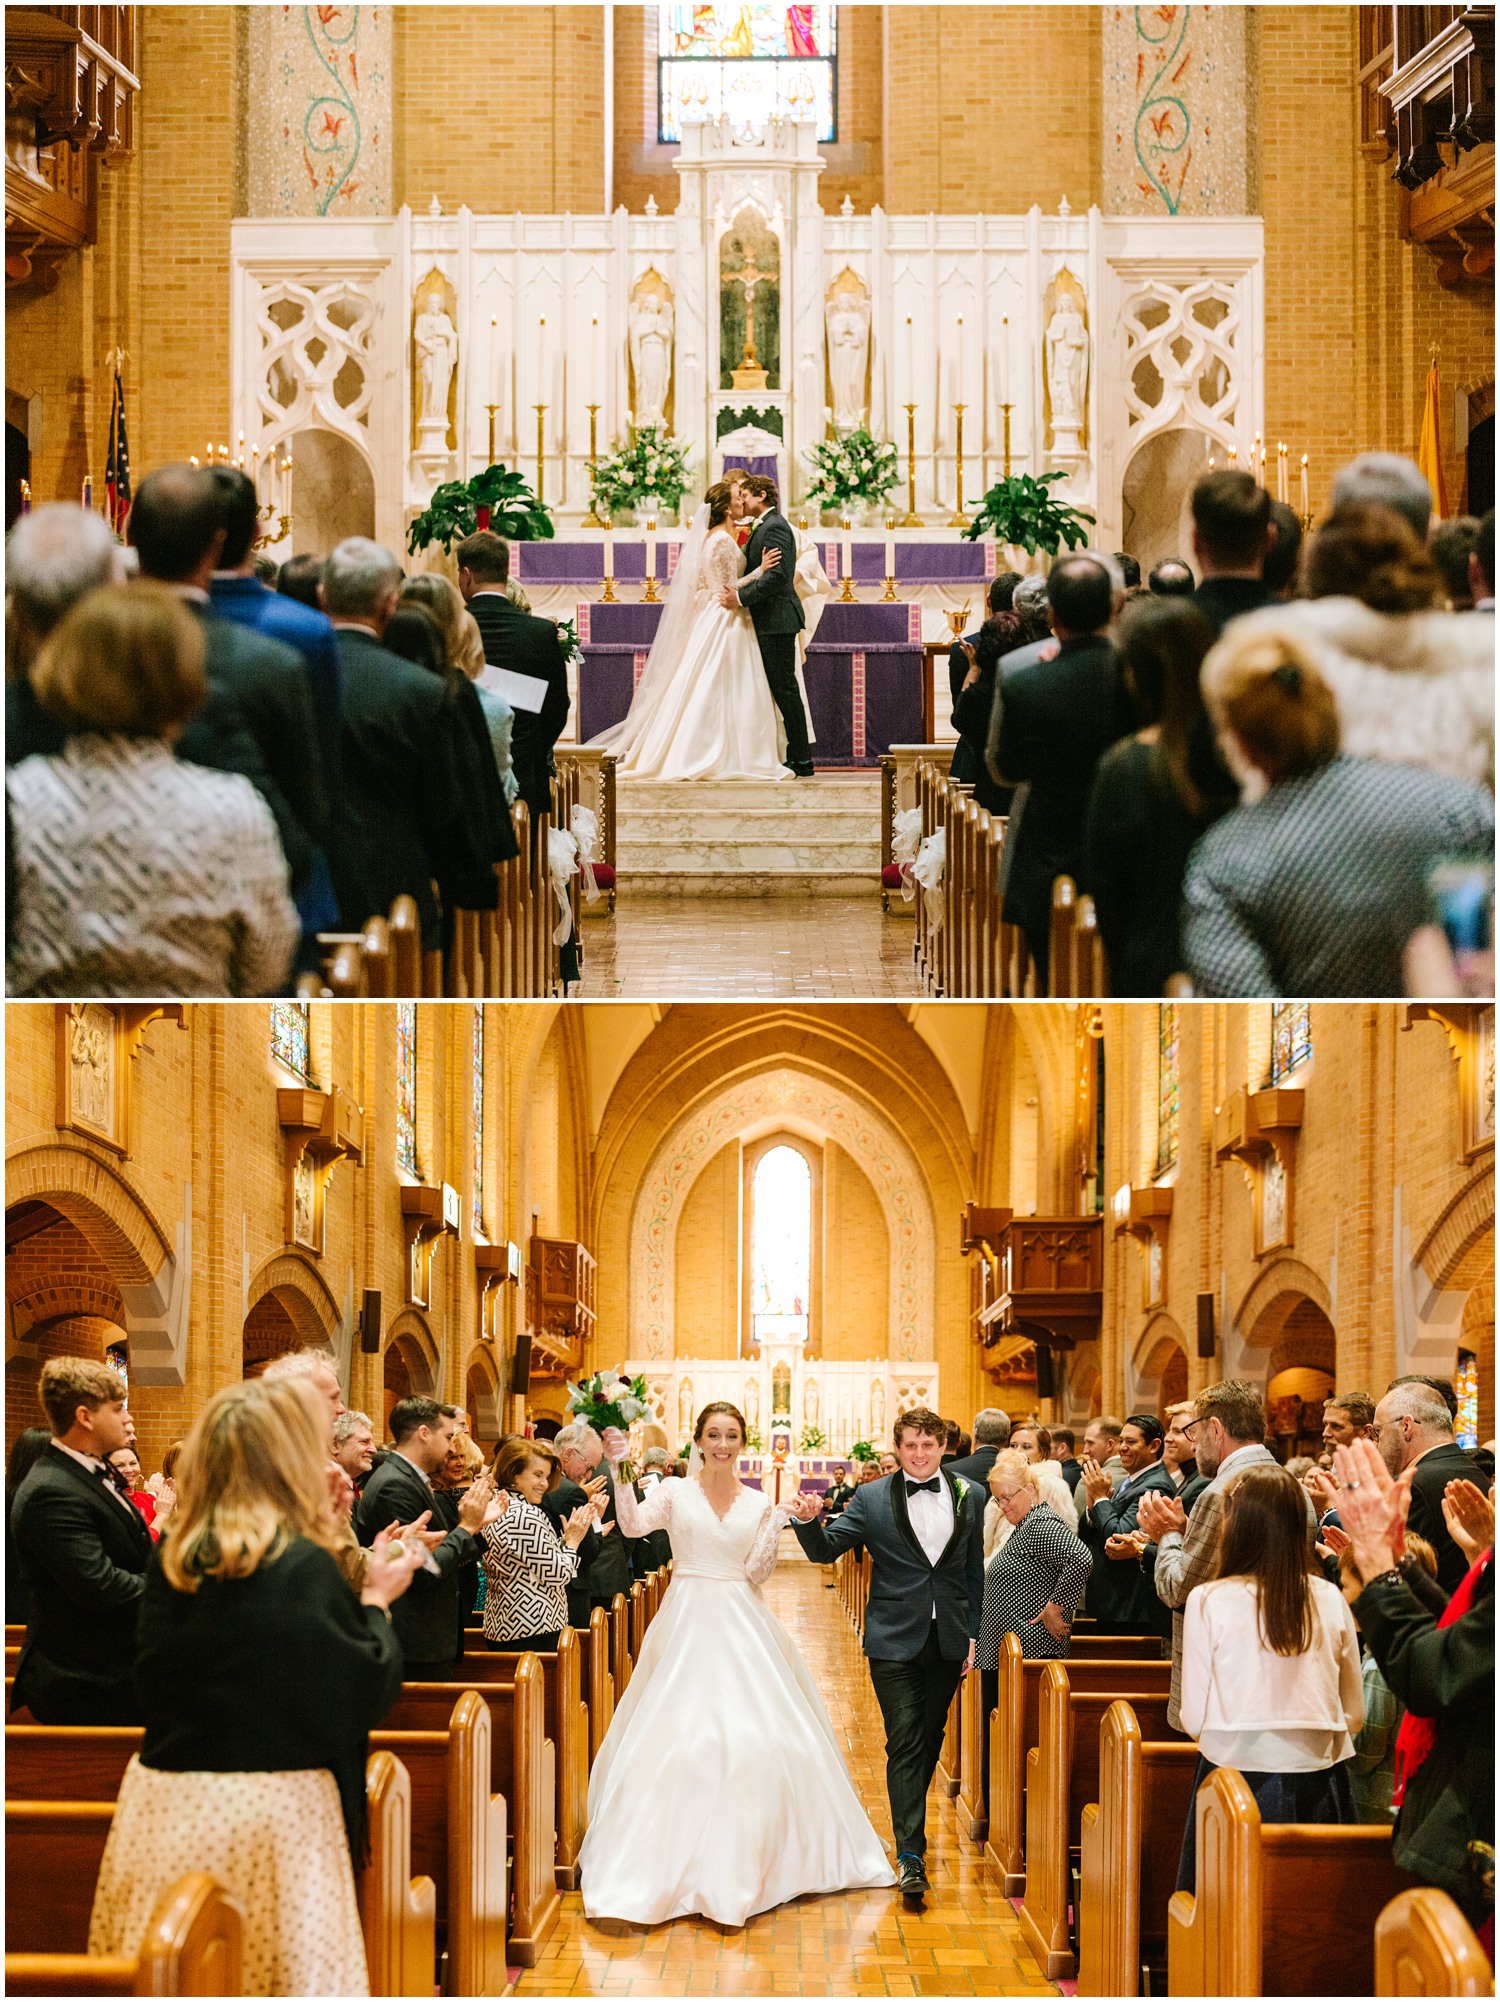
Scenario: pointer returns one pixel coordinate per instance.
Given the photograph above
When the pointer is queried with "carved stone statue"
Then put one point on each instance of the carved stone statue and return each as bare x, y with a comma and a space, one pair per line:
847, 317
752, 1400
651, 321
877, 1410
91, 1053
1067, 365
810, 1401
685, 1408
436, 340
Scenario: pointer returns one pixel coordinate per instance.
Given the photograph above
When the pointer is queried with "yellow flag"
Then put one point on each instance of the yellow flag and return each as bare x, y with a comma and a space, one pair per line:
1430, 451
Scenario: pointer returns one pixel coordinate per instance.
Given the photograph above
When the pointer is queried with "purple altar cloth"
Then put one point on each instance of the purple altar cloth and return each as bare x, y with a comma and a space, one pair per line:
917, 563
864, 675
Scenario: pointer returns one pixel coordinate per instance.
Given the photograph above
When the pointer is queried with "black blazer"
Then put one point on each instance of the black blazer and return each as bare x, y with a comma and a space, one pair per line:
1221, 599
963, 768
429, 1615
648, 1553
1429, 1477
971, 719
1060, 717
1125, 1593
557, 1506
772, 600
513, 639
412, 809
976, 1467
272, 1673
84, 1558
610, 1571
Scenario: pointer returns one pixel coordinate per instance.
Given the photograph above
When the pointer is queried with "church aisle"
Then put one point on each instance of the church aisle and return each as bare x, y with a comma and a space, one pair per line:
967, 1942
785, 945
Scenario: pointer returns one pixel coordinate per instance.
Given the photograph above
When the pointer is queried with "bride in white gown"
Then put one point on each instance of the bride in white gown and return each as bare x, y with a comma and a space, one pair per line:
704, 707
720, 1787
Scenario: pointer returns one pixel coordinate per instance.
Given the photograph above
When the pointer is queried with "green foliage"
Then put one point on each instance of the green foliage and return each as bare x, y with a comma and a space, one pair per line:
653, 463
453, 511
852, 470
863, 1450
754, 1443
1022, 512
814, 1439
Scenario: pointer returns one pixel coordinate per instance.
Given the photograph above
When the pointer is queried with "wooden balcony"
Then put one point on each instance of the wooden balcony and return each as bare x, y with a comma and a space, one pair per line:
560, 1312
1047, 1283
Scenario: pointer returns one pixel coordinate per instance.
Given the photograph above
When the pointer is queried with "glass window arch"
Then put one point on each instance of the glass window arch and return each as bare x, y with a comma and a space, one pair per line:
748, 62
781, 1244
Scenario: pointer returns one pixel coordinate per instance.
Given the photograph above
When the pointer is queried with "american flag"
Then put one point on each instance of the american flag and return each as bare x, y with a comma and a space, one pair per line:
117, 462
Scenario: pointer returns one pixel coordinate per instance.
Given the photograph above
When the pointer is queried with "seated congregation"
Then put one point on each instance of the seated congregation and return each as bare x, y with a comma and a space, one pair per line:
206, 776
1246, 780
299, 1712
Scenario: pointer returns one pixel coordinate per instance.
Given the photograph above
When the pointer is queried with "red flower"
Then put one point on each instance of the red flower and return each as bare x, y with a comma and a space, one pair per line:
332, 126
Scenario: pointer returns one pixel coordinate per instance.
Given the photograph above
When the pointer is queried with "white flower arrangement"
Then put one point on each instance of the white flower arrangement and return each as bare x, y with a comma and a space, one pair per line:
652, 464
856, 469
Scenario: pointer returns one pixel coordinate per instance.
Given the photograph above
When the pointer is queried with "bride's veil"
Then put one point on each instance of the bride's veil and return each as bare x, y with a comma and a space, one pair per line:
671, 639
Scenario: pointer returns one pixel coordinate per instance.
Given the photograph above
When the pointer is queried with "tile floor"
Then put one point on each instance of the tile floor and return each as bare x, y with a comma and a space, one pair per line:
813, 948
967, 1942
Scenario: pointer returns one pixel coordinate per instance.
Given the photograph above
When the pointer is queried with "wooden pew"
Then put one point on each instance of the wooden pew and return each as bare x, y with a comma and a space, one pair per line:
1062, 1775
192, 1947
397, 1911
53, 1849
1425, 1946
1075, 951
1281, 1908
947, 1765
1014, 1730
637, 1619
619, 1644
465, 1850
565, 1724
596, 1680
1131, 1837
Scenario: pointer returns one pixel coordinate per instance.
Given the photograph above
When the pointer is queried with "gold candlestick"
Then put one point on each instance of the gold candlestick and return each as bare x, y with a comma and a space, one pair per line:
541, 458
592, 520
913, 519
958, 519
492, 408
1007, 408
609, 576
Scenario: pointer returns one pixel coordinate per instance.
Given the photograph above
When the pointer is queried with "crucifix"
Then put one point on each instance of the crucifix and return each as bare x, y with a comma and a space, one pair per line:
750, 374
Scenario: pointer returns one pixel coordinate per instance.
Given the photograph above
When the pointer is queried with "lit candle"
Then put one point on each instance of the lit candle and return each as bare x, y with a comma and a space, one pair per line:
650, 545
1281, 470
192, 458
255, 469
1258, 459
88, 492
911, 360
1211, 460
1232, 455
960, 357
541, 348
846, 546
1004, 359
1306, 510
286, 490
210, 451
890, 545
609, 549
240, 460
595, 395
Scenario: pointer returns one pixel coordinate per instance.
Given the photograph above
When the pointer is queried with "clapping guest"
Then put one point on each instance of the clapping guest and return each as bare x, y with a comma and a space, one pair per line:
1153, 796
1271, 1679
261, 1676
1121, 1596
526, 1568
1035, 1584
154, 1510
1316, 887
135, 872
354, 1444
872, 1470
1372, 1776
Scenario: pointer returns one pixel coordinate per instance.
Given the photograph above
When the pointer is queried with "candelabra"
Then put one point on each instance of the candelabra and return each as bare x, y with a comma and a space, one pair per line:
958, 519
1006, 409
650, 597
541, 435
591, 519
913, 519
889, 593
492, 408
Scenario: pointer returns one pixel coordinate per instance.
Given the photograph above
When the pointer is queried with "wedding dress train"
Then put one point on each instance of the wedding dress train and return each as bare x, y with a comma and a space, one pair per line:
720, 1787
708, 712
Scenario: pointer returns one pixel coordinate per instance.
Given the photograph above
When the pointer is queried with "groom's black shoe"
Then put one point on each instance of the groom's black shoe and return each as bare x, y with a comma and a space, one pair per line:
803, 772
914, 1884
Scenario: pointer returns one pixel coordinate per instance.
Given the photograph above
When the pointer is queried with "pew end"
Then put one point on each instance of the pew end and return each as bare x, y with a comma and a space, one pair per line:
1425, 1946
193, 1946
397, 1912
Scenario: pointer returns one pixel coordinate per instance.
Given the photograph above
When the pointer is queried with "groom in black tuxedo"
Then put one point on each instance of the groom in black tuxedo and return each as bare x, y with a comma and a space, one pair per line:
924, 1531
775, 610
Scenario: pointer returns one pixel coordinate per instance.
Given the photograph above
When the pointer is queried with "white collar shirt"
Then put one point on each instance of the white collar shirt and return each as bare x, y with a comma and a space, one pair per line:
931, 1519
425, 1479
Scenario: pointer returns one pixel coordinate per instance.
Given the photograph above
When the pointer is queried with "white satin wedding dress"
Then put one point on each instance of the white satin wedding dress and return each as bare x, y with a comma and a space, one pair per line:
708, 711
720, 1787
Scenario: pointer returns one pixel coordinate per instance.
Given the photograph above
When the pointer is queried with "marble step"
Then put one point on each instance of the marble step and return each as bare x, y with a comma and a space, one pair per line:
749, 838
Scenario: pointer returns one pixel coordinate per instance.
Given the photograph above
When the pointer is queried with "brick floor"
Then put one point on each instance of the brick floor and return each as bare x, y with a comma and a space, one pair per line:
967, 1942
790, 943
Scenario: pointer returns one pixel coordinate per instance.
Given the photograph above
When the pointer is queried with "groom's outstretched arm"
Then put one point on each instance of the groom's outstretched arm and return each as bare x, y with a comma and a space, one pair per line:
779, 536
823, 1541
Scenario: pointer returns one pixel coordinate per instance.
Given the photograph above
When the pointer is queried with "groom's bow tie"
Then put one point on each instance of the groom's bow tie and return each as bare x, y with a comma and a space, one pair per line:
931, 1487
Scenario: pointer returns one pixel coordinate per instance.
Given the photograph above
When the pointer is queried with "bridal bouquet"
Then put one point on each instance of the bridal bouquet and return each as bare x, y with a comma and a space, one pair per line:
609, 1398
653, 465
852, 471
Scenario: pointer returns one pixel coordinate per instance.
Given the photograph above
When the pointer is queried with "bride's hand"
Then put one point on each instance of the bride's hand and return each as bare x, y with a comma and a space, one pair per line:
770, 560
615, 1444
805, 1507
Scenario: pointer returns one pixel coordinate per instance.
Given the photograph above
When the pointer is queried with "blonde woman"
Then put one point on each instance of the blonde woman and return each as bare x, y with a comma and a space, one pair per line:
260, 1675
464, 647
526, 1569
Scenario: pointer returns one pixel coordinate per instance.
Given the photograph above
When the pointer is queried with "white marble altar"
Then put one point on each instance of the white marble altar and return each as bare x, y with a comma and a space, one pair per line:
847, 1401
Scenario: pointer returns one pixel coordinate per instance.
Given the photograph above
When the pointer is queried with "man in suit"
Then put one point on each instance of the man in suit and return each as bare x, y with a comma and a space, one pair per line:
965, 767
1062, 1451
1101, 1451
428, 1618
1232, 537
1119, 1595
580, 1454
1059, 718
413, 804
924, 1531
1228, 1431
177, 534
991, 1433
557, 1505
83, 1549
775, 611
1413, 1428
650, 1552
513, 639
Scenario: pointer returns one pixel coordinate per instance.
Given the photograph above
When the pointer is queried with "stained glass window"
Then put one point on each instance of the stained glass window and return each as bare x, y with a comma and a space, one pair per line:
1466, 1383
1168, 1024
290, 1037
748, 62
1291, 1037
479, 1230
406, 1086
781, 1269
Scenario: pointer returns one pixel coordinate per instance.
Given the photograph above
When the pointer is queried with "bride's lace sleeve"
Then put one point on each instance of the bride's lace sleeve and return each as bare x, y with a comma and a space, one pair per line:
761, 1561
639, 1518
722, 563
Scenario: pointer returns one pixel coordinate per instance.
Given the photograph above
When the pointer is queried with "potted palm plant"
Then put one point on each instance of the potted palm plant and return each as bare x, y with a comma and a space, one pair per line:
495, 499
1022, 512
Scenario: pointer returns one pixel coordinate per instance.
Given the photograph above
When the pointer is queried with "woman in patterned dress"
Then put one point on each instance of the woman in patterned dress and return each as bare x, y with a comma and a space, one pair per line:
260, 1675
526, 1569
